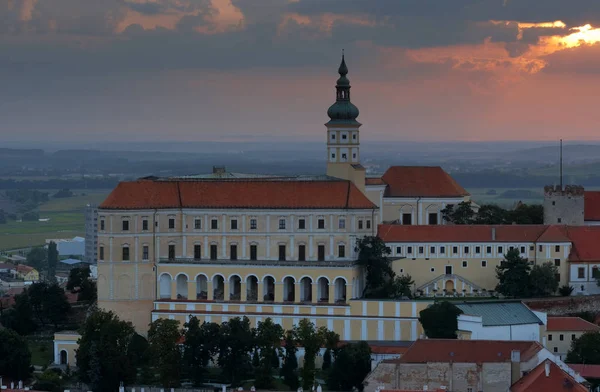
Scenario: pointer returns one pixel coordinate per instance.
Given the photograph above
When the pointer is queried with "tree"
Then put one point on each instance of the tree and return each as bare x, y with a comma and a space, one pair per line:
15, 357
163, 340
350, 368
526, 214
462, 214
50, 380
311, 339
20, 317
36, 258
79, 282
491, 214
440, 320
373, 257
513, 276
52, 261
268, 342
401, 287
236, 342
201, 343
103, 356
49, 303
326, 360
289, 370
585, 349
565, 290
543, 280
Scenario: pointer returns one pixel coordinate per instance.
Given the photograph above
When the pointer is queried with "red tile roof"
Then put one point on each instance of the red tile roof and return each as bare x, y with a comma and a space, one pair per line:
24, 268
461, 233
149, 194
374, 181
547, 377
586, 371
591, 207
570, 324
421, 181
585, 243
390, 350
467, 351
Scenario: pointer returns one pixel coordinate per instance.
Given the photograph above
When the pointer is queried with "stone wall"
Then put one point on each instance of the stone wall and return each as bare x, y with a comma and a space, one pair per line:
562, 306
564, 206
383, 375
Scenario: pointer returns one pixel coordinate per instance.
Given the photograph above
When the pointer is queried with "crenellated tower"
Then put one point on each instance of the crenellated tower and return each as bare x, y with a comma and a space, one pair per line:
343, 139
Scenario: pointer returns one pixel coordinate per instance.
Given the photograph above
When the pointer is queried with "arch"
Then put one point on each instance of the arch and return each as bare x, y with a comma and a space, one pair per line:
290, 277
252, 288
217, 275
181, 286
449, 286
164, 290
201, 274
269, 288
64, 357
289, 289
342, 278
323, 289
234, 275
235, 287
340, 289
218, 287
306, 289
252, 275
124, 287
201, 286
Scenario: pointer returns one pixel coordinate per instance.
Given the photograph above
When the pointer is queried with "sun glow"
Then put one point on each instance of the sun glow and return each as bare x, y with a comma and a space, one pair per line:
581, 35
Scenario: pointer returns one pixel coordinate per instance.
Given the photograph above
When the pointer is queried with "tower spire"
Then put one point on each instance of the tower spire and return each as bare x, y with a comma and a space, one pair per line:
343, 111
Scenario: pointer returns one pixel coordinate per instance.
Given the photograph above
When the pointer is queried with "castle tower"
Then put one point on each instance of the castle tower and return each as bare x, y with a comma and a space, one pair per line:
564, 206
343, 140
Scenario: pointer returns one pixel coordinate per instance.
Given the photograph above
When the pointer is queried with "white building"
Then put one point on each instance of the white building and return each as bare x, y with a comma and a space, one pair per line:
69, 247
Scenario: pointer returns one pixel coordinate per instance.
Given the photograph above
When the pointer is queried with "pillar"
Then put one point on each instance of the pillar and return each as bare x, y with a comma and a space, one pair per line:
278, 292
243, 292
315, 294
209, 289
260, 295
332, 293
297, 292
191, 290
226, 293
173, 289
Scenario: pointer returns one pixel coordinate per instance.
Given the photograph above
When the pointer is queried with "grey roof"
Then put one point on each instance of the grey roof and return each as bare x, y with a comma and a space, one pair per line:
500, 313
71, 261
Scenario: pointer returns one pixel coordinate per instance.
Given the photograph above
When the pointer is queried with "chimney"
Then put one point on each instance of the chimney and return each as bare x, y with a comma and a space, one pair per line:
515, 366
547, 368
493, 234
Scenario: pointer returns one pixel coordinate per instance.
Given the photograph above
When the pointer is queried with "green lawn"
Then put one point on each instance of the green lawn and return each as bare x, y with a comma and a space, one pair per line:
42, 351
66, 221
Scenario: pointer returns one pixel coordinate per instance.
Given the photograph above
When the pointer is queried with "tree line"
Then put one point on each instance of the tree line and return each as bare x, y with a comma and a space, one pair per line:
491, 214
110, 352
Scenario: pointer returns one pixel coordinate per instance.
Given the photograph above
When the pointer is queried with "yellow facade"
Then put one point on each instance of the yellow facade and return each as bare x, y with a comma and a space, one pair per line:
65, 345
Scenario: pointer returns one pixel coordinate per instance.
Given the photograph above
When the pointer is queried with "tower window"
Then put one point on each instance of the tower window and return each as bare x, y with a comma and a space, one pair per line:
344, 137
354, 137
344, 156
332, 156
354, 156
333, 136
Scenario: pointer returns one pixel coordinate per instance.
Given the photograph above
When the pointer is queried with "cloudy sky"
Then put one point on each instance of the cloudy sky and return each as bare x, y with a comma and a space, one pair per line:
194, 70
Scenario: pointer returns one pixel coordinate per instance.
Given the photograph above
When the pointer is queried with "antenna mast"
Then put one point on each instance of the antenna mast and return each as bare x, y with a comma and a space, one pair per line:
561, 164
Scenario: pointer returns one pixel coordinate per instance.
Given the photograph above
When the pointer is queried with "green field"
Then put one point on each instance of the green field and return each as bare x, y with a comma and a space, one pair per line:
66, 221
41, 351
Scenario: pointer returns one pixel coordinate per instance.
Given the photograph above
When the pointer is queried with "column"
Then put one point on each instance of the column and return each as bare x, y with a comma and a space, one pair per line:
260, 295
297, 292
332, 293
243, 292
292, 246
310, 248
315, 294
173, 289
244, 244
223, 248
268, 248
226, 290
278, 292
209, 289
206, 250
191, 289
331, 246
136, 241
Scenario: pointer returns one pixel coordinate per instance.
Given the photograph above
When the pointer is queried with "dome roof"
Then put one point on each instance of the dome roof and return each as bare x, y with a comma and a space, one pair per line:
343, 111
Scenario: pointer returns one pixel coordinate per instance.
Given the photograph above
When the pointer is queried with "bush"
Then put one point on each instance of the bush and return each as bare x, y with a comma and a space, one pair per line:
565, 290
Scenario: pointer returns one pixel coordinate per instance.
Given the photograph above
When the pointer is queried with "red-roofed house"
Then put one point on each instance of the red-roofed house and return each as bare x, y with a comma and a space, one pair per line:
561, 331
463, 365
589, 372
548, 377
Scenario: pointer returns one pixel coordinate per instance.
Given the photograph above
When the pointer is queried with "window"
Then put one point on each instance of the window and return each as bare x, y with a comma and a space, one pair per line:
500, 249
341, 251
442, 250
171, 223
511, 248
321, 223
281, 224
368, 223
354, 137
409, 250
407, 219
171, 252
573, 337
145, 225
432, 269
125, 253
555, 348
301, 224
581, 273
281, 252
197, 252
214, 224
432, 250
233, 224
478, 249
145, 252
557, 277
522, 249
469, 389
531, 247
398, 250
301, 252
101, 253
344, 156
421, 250
321, 253
360, 224
332, 156
253, 224
464, 264
448, 270
125, 225
561, 337
549, 337
557, 262
233, 252
455, 250
197, 223
559, 221
557, 248
595, 272
553, 203
466, 250
213, 252
433, 218
483, 263
342, 223
253, 252
333, 136
102, 224
354, 156
488, 250
540, 248
344, 137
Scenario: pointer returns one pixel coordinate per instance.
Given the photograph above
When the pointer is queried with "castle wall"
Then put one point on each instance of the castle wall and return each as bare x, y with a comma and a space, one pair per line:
564, 206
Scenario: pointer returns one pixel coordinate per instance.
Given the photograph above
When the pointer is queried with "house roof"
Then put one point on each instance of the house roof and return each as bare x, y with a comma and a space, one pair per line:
277, 194
585, 243
500, 313
586, 371
24, 268
71, 261
421, 181
467, 351
591, 205
374, 181
570, 324
547, 377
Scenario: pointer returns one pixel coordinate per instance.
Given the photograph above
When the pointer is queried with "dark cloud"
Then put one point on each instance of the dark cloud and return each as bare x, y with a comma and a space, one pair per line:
576, 61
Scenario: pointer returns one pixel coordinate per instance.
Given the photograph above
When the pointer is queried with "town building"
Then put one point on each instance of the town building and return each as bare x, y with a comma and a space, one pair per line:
465, 365
571, 205
562, 331
549, 377
27, 273
91, 234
